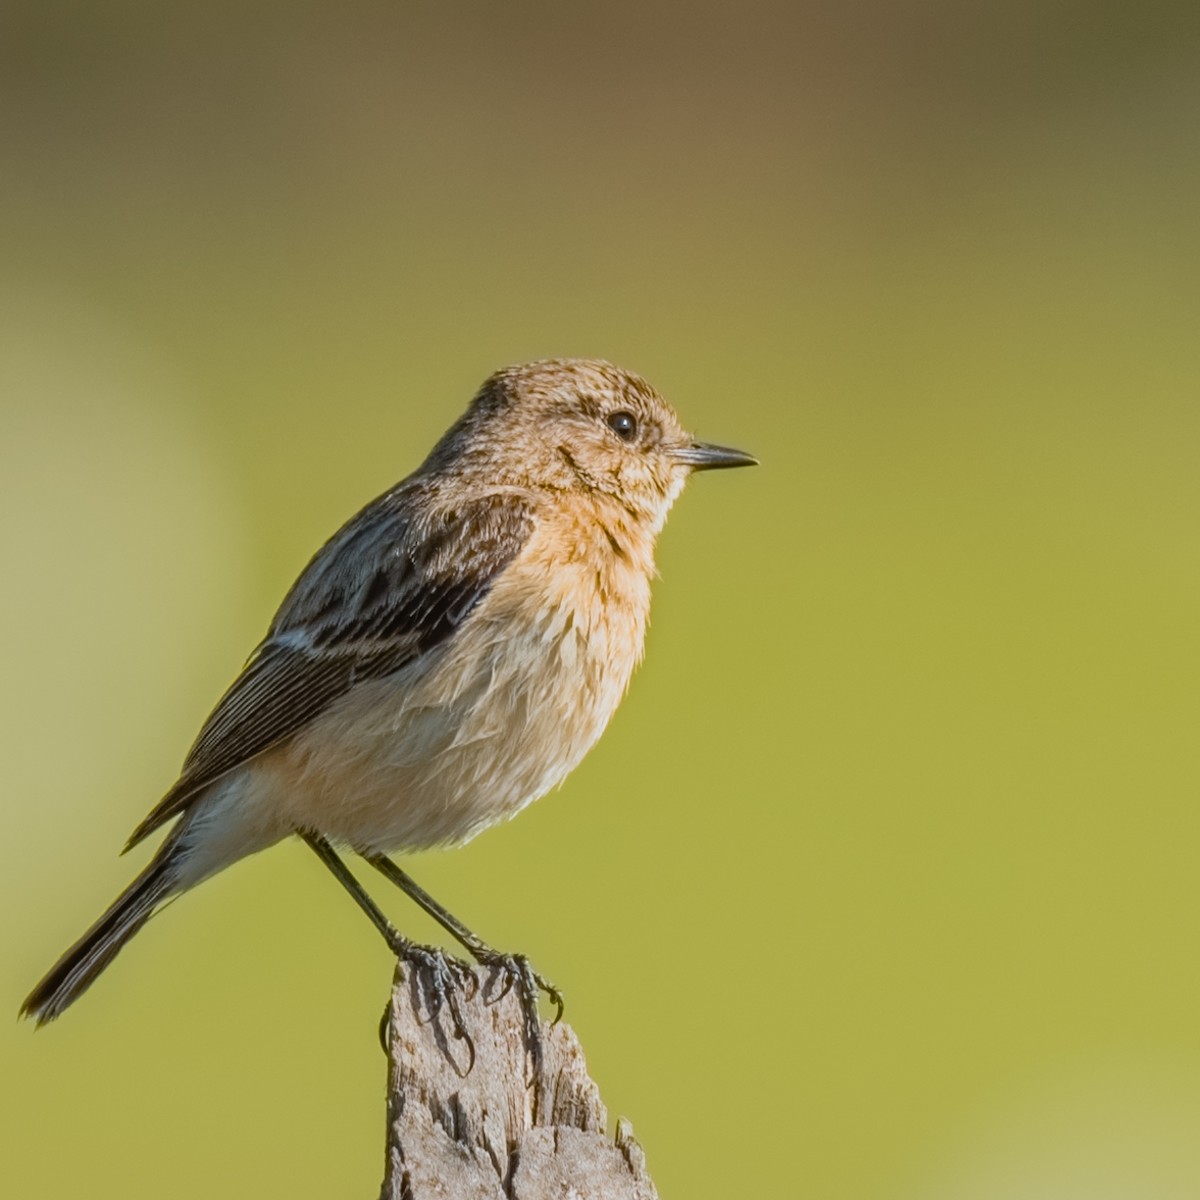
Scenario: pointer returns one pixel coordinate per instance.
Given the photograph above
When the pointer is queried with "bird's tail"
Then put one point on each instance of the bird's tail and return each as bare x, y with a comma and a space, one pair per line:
75, 971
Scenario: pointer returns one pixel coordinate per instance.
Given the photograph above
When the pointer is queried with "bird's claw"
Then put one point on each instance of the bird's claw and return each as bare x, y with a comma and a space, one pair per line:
441, 979
516, 969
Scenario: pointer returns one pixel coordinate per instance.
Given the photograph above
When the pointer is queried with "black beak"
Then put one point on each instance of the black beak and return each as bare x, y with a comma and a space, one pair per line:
703, 456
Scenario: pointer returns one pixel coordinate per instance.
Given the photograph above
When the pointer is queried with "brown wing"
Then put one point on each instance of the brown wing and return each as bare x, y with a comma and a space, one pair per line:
394, 582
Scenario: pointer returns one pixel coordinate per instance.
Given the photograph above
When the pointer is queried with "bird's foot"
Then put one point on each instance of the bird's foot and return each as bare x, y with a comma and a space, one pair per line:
441, 981
515, 970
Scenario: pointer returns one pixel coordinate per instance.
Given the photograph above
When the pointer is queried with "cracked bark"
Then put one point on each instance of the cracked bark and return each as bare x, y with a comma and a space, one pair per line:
488, 1130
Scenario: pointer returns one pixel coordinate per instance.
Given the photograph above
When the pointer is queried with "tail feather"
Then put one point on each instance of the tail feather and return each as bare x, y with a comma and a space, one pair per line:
78, 968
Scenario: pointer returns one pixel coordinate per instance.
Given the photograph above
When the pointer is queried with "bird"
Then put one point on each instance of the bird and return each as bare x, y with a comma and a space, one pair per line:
448, 656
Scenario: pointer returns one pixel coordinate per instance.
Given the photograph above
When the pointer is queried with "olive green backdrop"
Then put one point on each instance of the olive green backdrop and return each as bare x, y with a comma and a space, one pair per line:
883, 881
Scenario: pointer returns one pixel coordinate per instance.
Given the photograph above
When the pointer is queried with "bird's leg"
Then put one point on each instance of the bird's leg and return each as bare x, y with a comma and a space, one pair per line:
516, 968
441, 976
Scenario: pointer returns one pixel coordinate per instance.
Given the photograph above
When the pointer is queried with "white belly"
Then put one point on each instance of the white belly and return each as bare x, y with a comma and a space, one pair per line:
470, 734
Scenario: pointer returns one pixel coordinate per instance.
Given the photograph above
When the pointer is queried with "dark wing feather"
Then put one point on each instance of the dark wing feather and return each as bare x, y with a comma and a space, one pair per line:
389, 586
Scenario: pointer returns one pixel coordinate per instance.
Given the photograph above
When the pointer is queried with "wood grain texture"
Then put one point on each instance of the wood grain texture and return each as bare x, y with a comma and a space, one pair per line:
488, 1130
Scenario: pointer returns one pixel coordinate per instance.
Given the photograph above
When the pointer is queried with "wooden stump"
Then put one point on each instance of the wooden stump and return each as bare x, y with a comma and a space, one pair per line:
489, 1130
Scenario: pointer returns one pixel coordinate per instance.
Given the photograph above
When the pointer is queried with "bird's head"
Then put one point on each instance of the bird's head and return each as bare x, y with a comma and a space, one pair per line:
585, 426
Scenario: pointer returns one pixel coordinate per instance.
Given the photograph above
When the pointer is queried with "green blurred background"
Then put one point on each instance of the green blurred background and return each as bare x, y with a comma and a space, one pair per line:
883, 881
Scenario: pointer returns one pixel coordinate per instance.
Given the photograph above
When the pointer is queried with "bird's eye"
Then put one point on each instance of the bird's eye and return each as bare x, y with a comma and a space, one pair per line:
624, 425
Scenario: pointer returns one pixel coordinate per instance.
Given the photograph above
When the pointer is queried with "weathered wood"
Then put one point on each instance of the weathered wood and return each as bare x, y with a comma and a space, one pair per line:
488, 1130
